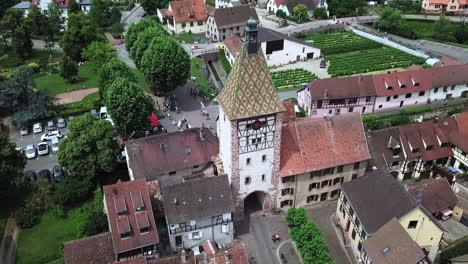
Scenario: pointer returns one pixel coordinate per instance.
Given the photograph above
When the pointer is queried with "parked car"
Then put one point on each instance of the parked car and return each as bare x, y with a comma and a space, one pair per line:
51, 125
104, 115
61, 123
51, 134
45, 174
24, 131
37, 128
55, 144
43, 148
30, 176
31, 151
323, 63
58, 173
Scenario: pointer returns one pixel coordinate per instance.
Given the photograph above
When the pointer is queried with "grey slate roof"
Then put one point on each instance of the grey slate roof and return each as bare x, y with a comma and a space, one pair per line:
376, 198
22, 5
197, 199
232, 16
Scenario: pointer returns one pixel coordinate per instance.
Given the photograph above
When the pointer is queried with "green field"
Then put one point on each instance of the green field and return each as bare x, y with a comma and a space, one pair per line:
43, 242
185, 37
423, 28
12, 61
291, 79
340, 42
203, 85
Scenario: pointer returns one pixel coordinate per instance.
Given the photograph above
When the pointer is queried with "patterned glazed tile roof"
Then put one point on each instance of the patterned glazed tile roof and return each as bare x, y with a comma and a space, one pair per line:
249, 90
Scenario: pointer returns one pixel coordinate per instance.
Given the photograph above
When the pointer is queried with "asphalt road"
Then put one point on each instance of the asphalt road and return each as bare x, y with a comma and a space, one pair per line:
40, 162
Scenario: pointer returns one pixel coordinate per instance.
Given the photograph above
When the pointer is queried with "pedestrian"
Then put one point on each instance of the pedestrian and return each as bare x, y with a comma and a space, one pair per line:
273, 238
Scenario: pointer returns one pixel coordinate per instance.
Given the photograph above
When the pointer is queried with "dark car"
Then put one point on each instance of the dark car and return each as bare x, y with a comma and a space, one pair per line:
323, 63
30, 176
51, 125
45, 174
58, 173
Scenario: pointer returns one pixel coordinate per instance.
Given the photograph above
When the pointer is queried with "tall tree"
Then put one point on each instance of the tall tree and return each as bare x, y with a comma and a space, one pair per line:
21, 41
151, 6
37, 20
68, 69
143, 41
100, 13
98, 53
111, 70
73, 7
117, 30
444, 30
135, 29
344, 8
115, 16
89, 149
165, 65
5, 5
390, 20
300, 12
12, 163
129, 107
55, 17
14, 92
80, 33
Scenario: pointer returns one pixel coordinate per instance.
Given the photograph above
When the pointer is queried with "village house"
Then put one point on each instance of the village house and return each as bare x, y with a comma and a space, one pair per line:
278, 48
311, 172
43, 5
199, 210
392, 244
287, 6
222, 22
227, 3
173, 157
369, 202
185, 16
411, 152
460, 210
456, 7
383, 92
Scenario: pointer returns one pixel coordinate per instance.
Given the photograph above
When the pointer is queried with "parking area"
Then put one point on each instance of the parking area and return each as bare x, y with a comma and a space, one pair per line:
40, 162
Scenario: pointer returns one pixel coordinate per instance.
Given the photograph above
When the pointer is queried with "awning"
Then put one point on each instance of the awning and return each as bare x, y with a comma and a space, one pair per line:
154, 120
446, 212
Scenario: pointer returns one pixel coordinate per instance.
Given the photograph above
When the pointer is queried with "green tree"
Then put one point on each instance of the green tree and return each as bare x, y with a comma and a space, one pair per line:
115, 16
80, 33
68, 69
444, 30
98, 53
73, 190
390, 20
111, 70
129, 107
117, 29
320, 12
40, 198
165, 65
151, 6
21, 42
89, 149
345, 8
55, 17
100, 13
73, 7
296, 217
281, 14
461, 33
12, 164
143, 41
6, 5
135, 29
37, 20
300, 12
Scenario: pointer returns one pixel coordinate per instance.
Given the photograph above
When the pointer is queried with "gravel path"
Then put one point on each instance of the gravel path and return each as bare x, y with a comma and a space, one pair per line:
75, 96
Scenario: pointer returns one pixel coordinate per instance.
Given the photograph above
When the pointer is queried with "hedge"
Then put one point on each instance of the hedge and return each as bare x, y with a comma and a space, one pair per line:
458, 248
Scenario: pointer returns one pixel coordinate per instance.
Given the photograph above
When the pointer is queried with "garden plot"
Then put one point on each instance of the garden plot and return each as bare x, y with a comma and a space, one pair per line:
291, 79
341, 42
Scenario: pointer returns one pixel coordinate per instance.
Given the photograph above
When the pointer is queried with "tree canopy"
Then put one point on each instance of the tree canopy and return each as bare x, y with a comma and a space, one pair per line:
143, 41
300, 12
347, 8
165, 65
111, 70
129, 107
73, 7
100, 13
14, 26
390, 19
98, 53
80, 33
151, 6
68, 69
135, 29
12, 163
444, 30
320, 12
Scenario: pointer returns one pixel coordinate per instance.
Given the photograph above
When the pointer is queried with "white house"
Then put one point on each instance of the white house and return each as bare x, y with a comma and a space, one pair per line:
24, 5
449, 82
85, 6
278, 48
186, 16
287, 6
226, 3
222, 22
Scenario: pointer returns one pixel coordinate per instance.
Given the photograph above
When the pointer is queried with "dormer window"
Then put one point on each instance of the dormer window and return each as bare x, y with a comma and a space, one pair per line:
125, 235
415, 150
429, 147
396, 151
388, 87
402, 85
415, 83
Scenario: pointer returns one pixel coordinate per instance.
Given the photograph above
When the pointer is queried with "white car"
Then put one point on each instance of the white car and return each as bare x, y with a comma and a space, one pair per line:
104, 115
61, 123
55, 144
24, 131
31, 151
51, 134
37, 128
43, 148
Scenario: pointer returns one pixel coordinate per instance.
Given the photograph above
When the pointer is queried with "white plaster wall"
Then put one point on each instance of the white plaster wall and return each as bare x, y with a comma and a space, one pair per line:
289, 53
343, 110
271, 6
224, 4
441, 95
229, 56
415, 99
44, 5
213, 233
224, 131
195, 29
285, 9
87, 8
255, 171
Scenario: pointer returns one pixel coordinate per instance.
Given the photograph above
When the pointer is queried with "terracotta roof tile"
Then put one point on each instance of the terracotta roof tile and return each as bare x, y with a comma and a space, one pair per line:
436, 195
402, 82
233, 44
337, 88
383, 155
314, 144
447, 61
210, 248
96, 249
233, 254
138, 260
188, 10
127, 221
449, 75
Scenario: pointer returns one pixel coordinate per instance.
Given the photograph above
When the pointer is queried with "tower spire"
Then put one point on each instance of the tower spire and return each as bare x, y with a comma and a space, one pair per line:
251, 31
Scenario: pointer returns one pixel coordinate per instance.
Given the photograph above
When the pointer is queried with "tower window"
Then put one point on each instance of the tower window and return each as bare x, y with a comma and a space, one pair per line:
264, 158
263, 177
248, 161
248, 180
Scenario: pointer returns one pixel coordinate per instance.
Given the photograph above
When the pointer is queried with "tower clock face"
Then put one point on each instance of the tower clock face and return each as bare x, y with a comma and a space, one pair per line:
256, 125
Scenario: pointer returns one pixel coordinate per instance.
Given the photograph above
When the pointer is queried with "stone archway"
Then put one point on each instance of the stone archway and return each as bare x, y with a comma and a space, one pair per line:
257, 201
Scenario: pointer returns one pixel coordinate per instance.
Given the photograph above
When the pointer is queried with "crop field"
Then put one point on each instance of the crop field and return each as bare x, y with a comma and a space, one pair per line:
370, 60
341, 42
291, 79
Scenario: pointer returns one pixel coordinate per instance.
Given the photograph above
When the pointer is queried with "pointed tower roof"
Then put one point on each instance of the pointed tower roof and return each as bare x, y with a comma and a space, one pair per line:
249, 89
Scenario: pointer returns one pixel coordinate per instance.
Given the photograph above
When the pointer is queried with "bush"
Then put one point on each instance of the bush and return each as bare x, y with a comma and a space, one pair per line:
71, 191
95, 224
371, 123
59, 212
26, 217
281, 14
455, 110
458, 248
296, 217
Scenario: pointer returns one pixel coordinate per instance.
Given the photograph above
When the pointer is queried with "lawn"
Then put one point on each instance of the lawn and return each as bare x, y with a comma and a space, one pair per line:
224, 62
43, 242
203, 85
185, 37
12, 61
141, 79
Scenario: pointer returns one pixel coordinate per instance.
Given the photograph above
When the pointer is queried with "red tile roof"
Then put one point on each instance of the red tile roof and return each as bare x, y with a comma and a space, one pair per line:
447, 61
147, 159
412, 81
210, 248
314, 144
457, 130
449, 75
128, 222
233, 254
233, 44
62, 3
337, 88
96, 249
435, 195
188, 11
290, 113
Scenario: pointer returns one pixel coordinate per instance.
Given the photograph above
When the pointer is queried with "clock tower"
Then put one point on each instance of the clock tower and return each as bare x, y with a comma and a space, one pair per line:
249, 126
